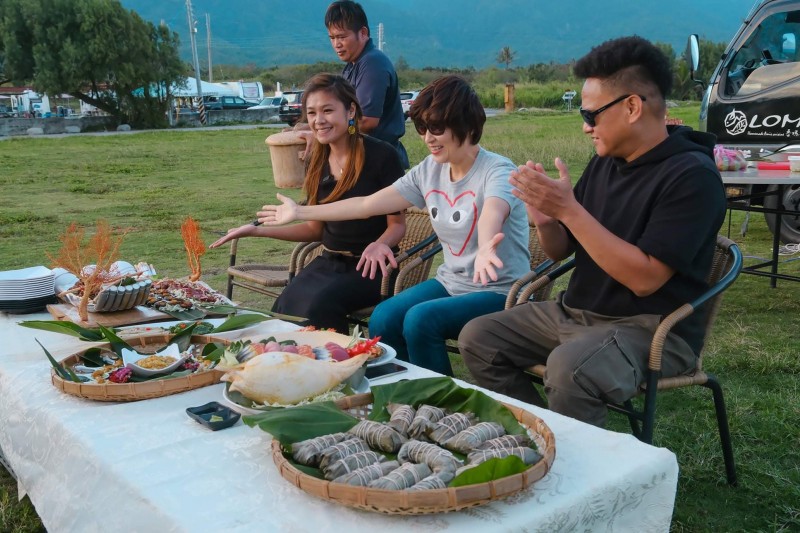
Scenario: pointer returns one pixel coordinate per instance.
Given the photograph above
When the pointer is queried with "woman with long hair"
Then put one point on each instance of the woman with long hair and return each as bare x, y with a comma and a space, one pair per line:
343, 164
482, 226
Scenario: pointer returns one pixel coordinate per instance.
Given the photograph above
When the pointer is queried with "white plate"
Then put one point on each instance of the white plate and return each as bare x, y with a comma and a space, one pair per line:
131, 357
363, 387
388, 354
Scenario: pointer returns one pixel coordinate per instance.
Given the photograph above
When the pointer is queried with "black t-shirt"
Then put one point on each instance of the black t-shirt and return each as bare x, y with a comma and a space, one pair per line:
670, 202
381, 169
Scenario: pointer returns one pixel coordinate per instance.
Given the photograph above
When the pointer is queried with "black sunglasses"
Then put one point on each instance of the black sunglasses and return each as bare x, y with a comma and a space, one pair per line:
436, 129
590, 116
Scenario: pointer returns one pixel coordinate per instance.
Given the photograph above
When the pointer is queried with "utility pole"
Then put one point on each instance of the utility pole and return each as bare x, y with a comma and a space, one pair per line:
192, 31
381, 42
208, 33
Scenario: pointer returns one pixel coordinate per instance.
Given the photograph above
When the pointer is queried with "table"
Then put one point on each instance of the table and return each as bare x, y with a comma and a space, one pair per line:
753, 176
146, 466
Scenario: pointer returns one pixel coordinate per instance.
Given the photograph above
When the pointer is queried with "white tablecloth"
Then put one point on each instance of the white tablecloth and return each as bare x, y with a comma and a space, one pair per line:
146, 466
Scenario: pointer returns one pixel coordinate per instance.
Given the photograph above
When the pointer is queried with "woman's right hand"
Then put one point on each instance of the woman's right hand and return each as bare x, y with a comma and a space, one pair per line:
277, 215
234, 233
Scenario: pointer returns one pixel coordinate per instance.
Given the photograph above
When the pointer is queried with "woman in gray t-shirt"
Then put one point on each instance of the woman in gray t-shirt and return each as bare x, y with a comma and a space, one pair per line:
482, 226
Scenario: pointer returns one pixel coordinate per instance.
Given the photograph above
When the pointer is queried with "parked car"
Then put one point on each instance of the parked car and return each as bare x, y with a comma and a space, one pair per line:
291, 108
226, 102
406, 99
6, 112
271, 102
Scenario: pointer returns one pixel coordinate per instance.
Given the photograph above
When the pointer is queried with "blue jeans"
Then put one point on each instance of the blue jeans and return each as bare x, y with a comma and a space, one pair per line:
418, 321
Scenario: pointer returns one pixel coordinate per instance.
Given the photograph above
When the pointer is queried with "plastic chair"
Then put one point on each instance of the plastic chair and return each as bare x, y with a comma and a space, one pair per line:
725, 268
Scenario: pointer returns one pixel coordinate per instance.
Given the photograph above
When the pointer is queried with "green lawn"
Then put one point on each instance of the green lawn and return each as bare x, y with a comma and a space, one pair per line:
147, 183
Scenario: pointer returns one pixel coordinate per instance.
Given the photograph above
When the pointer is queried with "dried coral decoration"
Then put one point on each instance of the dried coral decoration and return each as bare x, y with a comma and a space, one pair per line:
102, 249
195, 247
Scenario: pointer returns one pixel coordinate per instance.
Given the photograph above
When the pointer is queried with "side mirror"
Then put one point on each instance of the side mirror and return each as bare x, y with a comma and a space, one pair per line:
692, 54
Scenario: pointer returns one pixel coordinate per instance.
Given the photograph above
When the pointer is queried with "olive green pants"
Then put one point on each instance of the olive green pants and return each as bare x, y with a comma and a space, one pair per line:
591, 359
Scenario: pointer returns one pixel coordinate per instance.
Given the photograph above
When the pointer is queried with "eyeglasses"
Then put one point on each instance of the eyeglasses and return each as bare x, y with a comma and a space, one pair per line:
590, 116
422, 127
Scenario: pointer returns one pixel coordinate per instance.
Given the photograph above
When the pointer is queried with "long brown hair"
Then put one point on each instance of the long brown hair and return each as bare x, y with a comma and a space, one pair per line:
339, 88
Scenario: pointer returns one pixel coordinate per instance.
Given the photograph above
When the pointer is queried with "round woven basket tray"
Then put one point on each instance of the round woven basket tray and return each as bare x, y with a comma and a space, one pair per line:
425, 501
144, 390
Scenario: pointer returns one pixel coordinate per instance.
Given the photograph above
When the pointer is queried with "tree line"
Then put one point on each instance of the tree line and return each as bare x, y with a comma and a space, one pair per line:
109, 57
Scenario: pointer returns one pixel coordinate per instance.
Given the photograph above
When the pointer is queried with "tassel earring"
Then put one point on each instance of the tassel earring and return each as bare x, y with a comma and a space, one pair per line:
351, 127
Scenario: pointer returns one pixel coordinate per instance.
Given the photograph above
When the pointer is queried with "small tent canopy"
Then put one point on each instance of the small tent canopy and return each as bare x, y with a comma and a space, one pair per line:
189, 89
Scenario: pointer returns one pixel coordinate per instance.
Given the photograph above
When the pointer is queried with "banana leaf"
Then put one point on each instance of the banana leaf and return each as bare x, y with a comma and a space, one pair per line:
93, 357
239, 322
63, 371
67, 328
117, 344
224, 309
182, 338
300, 423
489, 470
186, 314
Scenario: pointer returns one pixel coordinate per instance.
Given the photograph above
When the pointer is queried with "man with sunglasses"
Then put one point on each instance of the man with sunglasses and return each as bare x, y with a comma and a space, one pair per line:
370, 71
642, 221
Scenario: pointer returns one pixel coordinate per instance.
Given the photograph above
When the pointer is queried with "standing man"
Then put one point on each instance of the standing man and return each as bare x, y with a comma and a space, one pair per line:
370, 71
642, 222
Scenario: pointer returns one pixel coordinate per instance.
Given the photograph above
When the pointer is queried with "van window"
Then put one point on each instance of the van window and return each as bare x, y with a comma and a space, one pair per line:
767, 57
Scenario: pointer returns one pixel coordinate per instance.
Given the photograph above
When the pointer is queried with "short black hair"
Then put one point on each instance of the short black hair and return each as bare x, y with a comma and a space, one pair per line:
346, 14
628, 62
449, 102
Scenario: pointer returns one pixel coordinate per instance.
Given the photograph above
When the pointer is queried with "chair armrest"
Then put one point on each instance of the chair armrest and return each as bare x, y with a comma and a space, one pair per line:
299, 257
660, 336
234, 248
409, 266
514, 297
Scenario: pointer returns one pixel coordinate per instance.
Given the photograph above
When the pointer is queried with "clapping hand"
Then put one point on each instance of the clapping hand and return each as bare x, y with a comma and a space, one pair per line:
545, 198
376, 255
278, 215
487, 260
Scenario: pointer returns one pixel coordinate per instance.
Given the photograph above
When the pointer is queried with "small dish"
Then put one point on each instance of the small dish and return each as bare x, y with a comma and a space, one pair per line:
131, 358
388, 354
203, 414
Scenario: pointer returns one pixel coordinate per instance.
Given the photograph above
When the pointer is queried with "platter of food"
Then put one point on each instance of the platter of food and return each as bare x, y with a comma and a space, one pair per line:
241, 404
100, 373
387, 353
427, 456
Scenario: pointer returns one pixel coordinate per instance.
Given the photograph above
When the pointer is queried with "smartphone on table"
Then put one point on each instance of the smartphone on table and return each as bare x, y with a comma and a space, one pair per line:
385, 370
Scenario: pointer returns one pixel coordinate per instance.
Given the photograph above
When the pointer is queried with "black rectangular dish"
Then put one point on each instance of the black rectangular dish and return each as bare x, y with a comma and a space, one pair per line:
214, 415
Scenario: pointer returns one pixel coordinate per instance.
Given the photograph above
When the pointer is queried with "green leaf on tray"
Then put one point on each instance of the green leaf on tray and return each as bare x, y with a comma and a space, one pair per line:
186, 314
93, 357
239, 322
67, 328
63, 372
117, 344
489, 470
300, 423
181, 338
213, 351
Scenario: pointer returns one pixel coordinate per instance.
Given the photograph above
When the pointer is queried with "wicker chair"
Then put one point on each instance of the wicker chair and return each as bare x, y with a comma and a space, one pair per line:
725, 268
268, 279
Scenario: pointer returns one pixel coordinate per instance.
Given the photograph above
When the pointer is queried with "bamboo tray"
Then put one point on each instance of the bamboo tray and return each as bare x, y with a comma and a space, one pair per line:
131, 392
426, 501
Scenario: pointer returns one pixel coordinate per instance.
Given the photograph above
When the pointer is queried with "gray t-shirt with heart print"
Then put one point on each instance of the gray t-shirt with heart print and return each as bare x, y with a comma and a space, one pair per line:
454, 208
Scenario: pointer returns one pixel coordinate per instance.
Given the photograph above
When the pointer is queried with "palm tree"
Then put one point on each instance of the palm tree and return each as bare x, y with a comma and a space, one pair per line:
506, 56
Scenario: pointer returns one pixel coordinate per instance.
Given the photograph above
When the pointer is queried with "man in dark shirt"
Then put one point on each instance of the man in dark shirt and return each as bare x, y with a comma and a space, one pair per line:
370, 71
642, 222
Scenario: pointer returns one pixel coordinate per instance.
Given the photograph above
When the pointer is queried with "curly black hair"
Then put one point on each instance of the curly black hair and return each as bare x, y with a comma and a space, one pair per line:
628, 62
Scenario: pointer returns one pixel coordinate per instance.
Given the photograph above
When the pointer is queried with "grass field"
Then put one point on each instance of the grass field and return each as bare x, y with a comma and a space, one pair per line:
147, 183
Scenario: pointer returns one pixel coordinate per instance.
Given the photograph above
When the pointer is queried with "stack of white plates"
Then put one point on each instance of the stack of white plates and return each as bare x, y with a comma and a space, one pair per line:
26, 290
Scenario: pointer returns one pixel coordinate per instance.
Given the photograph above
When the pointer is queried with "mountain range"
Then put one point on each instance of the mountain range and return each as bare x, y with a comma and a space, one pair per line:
446, 33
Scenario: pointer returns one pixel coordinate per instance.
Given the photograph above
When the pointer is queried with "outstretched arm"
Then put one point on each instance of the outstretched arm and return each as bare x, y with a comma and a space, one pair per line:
308, 231
387, 200
490, 223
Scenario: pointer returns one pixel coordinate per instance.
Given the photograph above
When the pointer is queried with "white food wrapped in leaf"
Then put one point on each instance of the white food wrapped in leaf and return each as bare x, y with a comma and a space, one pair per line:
287, 378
